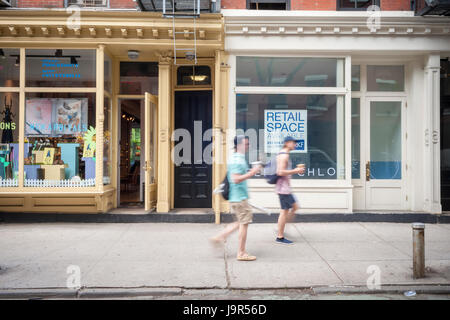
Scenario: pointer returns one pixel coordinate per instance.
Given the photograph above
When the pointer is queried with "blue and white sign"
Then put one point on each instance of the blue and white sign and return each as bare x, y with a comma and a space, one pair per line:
281, 123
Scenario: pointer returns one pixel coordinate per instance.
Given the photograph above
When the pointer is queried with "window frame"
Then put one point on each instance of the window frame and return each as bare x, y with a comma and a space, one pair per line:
345, 92
339, 8
99, 93
66, 5
288, 3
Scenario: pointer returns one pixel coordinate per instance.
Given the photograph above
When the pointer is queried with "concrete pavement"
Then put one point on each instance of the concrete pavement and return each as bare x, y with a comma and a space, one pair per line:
178, 256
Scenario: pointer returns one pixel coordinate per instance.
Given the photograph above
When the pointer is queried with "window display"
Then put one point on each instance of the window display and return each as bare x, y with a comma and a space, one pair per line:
59, 140
9, 146
60, 68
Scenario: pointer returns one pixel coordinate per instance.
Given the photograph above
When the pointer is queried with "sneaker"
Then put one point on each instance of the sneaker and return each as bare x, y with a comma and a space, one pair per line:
283, 241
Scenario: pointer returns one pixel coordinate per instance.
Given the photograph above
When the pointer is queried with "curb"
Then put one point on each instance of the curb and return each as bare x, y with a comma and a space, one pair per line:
398, 217
95, 293
420, 289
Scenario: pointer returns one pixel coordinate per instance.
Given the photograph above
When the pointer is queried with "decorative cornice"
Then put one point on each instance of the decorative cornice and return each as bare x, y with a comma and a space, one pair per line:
107, 26
334, 23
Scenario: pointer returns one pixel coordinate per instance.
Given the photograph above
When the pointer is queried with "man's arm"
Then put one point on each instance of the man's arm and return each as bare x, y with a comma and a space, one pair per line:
282, 162
238, 178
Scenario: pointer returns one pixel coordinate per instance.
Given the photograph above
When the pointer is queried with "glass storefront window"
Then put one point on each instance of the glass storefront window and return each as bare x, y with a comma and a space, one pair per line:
60, 68
356, 139
356, 77
289, 72
318, 118
138, 77
60, 140
9, 146
9, 67
385, 78
385, 140
107, 73
107, 148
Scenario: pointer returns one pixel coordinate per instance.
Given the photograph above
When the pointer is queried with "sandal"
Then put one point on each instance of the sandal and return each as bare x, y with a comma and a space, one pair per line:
246, 257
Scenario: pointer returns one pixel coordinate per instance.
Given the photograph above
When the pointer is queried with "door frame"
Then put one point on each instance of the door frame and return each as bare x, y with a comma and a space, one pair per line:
359, 192
172, 167
365, 154
150, 128
154, 120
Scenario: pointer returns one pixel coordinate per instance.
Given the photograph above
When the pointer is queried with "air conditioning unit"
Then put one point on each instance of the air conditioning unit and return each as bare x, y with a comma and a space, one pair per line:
5, 3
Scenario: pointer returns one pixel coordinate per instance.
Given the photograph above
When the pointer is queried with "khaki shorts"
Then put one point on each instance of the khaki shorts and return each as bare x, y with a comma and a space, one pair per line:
242, 211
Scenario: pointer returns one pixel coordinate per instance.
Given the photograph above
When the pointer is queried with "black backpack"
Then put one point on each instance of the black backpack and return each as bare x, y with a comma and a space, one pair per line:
226, 188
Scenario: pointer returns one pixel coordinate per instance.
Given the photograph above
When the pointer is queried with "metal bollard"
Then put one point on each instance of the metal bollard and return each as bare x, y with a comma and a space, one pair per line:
418, 250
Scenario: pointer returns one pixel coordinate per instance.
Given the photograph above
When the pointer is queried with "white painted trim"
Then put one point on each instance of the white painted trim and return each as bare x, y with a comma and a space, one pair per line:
291, 90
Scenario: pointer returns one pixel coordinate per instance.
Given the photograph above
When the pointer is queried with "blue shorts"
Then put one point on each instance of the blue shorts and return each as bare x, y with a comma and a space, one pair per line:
286, 201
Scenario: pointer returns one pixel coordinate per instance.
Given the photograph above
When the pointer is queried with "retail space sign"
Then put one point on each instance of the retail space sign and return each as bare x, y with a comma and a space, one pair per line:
279, 124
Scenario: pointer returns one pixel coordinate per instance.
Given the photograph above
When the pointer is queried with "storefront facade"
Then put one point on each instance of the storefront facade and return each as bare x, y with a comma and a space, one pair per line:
63, 88
366, 97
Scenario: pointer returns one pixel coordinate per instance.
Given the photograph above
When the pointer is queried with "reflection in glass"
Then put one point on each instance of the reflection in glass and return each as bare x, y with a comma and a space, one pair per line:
9, 146
60, 140
9, 67
107, 148
325, 130
60, 68
138, 77
385, 78
385, 140
356, 136
289, 72
356, 77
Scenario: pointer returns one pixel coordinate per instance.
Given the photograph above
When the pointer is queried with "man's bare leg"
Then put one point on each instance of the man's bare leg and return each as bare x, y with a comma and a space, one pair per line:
242, 239
282, 223
229, 229
291, 213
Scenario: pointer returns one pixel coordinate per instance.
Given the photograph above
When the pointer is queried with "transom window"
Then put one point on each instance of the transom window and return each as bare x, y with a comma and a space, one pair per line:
356, 4
88, 3
269, 4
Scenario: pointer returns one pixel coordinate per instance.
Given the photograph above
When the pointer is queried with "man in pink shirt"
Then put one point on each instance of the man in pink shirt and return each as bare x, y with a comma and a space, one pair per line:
283, 188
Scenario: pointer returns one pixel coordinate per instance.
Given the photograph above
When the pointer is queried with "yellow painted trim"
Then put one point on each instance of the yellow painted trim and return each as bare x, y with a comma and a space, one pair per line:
9, 89
164, 120
60, 90
21, 118
99, 118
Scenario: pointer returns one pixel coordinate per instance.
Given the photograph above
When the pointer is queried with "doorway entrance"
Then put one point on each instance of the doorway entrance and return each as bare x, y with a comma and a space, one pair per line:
193, 173
381, 167
131, 147
138, 144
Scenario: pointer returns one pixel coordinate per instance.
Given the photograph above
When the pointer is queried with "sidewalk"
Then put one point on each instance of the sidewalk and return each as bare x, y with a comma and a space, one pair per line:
178, 256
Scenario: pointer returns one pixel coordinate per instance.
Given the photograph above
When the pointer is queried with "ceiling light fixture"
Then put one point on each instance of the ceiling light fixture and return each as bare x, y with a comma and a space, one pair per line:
198, 78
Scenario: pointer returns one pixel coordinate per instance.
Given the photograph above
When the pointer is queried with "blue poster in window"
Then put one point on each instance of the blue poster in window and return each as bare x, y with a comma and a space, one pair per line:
281, 123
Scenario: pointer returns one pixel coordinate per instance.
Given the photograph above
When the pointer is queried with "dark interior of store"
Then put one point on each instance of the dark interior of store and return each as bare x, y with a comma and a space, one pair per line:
130, 153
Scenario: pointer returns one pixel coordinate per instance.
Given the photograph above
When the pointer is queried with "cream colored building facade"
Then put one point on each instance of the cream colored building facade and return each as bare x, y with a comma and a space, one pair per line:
361, 97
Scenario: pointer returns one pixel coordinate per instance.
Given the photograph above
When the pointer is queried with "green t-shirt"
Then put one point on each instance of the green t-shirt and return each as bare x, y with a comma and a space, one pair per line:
237, 165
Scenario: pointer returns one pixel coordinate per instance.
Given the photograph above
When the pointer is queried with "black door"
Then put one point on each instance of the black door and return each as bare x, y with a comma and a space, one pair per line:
193, 179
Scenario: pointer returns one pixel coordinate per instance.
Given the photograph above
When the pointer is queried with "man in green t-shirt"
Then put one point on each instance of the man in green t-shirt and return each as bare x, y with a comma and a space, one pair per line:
238, 173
